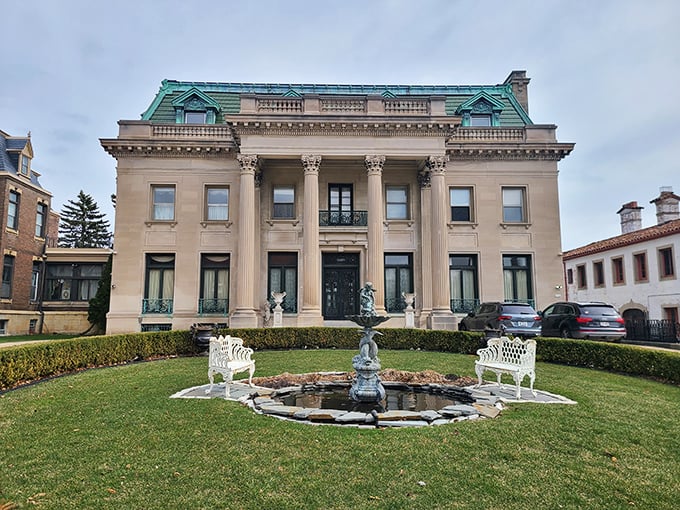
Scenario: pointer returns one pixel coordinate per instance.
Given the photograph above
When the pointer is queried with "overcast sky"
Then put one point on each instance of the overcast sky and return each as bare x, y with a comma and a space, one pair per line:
606, 72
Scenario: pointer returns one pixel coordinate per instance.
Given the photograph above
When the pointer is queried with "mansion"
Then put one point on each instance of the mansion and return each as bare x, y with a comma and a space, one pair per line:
229, 192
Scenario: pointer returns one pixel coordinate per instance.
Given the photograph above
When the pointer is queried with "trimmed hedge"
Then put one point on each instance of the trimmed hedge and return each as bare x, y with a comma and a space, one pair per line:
37, 361
31, 362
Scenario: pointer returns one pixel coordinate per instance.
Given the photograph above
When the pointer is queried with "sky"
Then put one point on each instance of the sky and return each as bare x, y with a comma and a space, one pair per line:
605, 72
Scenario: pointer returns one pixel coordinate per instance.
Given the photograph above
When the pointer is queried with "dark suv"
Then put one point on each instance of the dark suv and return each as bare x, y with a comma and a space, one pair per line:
518, 319
583, 320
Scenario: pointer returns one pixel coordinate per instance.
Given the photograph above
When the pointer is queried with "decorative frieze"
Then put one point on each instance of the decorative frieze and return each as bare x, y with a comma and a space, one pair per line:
174, 149
329, 128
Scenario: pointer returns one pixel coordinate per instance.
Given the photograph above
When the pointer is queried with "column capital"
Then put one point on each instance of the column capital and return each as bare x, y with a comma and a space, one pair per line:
424, 176
374, 164
311, 163
248, 162
437, 164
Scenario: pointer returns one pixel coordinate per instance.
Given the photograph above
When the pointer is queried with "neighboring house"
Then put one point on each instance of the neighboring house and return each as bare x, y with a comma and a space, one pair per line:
227, 192
30, 228
637, 271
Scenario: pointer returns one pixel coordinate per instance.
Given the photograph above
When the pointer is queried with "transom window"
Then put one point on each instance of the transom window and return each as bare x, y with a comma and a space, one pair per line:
163, 203
461, 204
514, 205
284, 202
217, 203
397, 202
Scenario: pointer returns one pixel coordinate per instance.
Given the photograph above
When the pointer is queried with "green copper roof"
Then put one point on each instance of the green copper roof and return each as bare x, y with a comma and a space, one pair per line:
227, 95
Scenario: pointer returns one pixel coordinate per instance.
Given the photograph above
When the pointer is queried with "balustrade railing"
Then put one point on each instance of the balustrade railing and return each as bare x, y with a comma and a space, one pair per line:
488, 134
280, 105
464, 305
192, 131
157, 306
342, 218
213, 306
343, 105
406, 106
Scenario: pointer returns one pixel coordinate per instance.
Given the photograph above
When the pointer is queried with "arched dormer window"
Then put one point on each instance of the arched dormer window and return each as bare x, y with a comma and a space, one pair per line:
195, 107
481, 110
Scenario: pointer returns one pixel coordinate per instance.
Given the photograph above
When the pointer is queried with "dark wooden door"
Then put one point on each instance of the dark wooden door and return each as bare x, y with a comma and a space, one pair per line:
340, 285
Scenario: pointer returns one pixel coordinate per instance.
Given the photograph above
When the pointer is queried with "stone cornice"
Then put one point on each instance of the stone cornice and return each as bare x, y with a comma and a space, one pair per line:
548, 151
353, 126
167, 148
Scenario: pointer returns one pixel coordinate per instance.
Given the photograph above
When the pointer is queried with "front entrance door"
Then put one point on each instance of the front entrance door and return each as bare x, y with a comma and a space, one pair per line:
340, 285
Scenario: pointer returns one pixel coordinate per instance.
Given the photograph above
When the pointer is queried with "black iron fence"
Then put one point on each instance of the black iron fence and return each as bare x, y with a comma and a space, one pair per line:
343, 218
653, 330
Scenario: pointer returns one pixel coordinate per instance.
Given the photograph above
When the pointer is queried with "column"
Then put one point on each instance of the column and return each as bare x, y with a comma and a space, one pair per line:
310, 314
442, 317
375, 264
244, 315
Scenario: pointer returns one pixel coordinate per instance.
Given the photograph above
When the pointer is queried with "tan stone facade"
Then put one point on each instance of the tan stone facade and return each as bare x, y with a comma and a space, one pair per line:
326, 192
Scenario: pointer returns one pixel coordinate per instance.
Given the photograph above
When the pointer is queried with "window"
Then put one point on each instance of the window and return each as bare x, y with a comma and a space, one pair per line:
581, 278
598, 273
214, 284
7, 277
570, 276
461, 204
283, 278
25, 165
398, 279
13, 210
71, 282
340, 204
480, 120
513, 205
640, 263
3, 326
40, 220
35, 281
618, 275
284, 202
160, 283
517, 278
217, 204
194, 117
397, 202
163, 203
666, 265
670, 313
463, 281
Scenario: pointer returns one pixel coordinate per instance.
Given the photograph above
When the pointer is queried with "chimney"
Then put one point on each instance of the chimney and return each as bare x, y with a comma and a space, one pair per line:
519, 82
666, 205
631, 217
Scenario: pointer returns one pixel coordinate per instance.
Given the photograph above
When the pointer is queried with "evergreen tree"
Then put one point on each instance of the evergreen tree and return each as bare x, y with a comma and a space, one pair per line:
83, 225
99, 304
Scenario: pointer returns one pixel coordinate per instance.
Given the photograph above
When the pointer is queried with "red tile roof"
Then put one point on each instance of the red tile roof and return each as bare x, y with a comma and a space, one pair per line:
638, 236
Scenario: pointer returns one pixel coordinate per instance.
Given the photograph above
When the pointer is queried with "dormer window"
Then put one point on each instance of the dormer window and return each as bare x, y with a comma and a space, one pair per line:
194, 117
25, 165
481, 110
195, 107
480, 119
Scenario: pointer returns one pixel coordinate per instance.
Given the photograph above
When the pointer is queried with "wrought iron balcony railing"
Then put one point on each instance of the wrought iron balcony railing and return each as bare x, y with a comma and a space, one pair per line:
213, 306
395, 304
343, 218
464, 305
157, 305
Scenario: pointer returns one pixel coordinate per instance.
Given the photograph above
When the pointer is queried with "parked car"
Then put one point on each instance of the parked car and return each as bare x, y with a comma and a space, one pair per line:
583, 320
517, 319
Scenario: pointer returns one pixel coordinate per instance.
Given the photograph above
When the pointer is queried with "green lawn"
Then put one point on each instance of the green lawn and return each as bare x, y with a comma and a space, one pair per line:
111, 438
26, 338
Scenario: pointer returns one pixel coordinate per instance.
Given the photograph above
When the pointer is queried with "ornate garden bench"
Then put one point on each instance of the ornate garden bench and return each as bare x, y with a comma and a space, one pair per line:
505, 356
228, 356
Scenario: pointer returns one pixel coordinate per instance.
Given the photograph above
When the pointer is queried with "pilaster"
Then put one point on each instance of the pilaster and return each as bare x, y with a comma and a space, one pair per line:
376, 253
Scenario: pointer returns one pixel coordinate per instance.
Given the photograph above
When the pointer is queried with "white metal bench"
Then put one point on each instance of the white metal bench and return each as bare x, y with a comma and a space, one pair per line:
508, 356
228, 356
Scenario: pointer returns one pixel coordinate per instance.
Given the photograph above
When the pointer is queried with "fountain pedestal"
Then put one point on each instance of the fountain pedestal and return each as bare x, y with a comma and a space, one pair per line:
367, 386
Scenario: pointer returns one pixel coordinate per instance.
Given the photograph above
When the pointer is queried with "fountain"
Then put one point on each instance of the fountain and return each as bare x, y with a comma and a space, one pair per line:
367, 386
